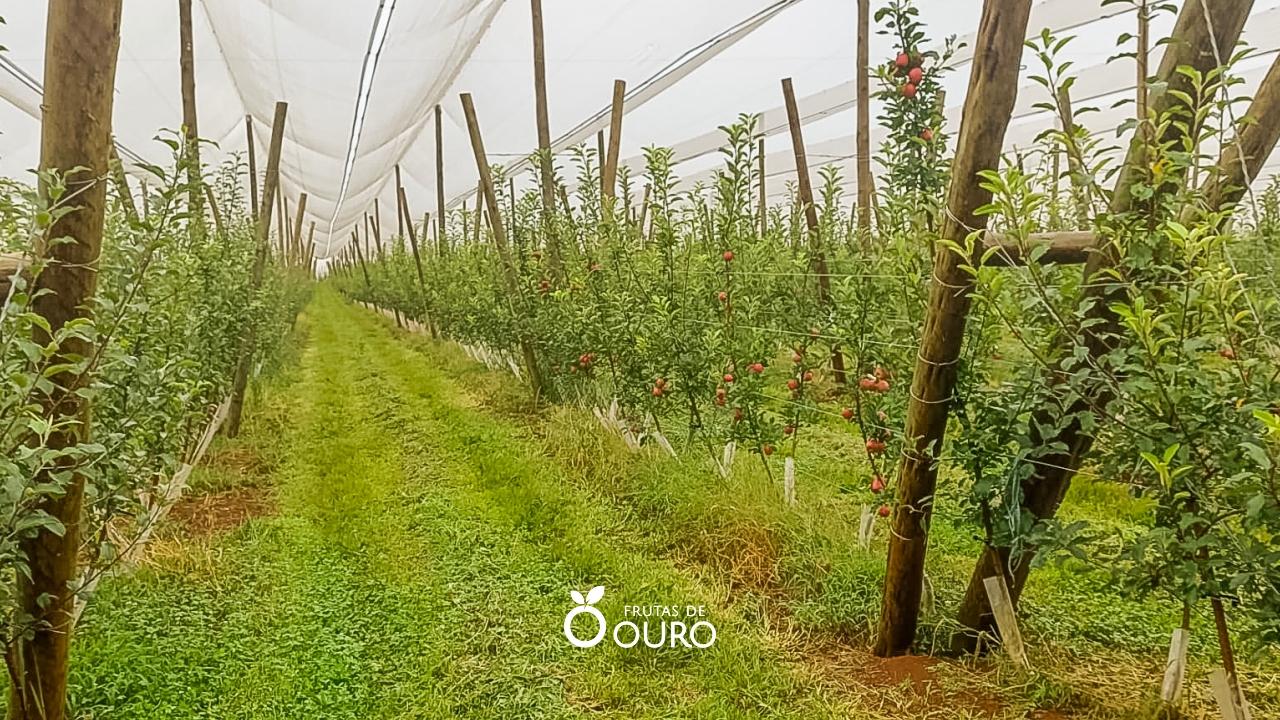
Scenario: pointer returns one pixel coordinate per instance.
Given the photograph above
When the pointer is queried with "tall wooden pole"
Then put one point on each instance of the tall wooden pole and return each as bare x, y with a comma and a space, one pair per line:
988, 107
81, 47
262, 245
1141, 57
121, 181
399, 204
764, 197
864, 121
600, 153
547, 171
615, 138
407, 219
189, 118
442, 239
811, 216
253, 167
297, 227
500, 239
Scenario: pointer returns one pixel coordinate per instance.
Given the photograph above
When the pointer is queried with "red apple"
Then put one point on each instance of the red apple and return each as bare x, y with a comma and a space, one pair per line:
768, 449
915, 76
1227, 353
728, 256
903, 60
808, 376
657, 392
883, 511
927, 135
875, 447
847, 413
788, 430
728, 378
909, 90
792, 384
882, 386
877, 484
723, 296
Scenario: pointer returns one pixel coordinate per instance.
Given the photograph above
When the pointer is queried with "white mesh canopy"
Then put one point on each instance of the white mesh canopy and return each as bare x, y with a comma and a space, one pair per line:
374, 70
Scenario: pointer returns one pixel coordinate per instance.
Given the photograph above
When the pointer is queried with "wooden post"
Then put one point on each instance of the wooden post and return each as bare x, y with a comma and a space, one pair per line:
480, 206
311, 246
442, 240
399, 204
1050, 479
764, 198
270, 189
407, 219
811, 216
195, 197
988, 107
1141, 57
500, 237
253, 168
547, 171
610, 171
122, 187
600, 154
377, 224
82, 42
281, 233
217, 214
297, 226
864, 122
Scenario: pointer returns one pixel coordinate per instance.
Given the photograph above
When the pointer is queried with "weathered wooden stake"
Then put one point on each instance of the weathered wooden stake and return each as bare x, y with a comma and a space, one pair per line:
546, 170
442, 242
253, 168
407, 219
811, 217
764, 198
500, 238
399, 204
610, 182
270, 189
864, 122
81, 46
187, 62
989, 103
121, 181
297, 227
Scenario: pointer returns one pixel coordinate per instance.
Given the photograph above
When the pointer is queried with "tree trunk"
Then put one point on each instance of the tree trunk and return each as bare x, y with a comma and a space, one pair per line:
1044, 490
988, 107
262, 245
82, 44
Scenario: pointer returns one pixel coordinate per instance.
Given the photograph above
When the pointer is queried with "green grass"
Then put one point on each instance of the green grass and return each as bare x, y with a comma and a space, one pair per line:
420, 568
432, 524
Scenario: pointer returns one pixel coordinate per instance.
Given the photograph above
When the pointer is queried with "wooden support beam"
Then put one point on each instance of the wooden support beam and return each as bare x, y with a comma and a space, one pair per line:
297, 227
442, 243
610, 182
262, 245
764, 198
253, 168
988, 108
811, 217
82, 42
121, 181
545, 159
407, 219
500, 238
217, 213
399, 204
1065, 248
864, 121
187, 63
600, 155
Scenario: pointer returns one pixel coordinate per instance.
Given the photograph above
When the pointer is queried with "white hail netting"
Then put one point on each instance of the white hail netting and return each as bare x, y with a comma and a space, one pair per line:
689, 66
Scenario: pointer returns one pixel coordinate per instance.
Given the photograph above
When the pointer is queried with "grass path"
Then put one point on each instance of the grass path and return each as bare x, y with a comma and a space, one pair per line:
420, 567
